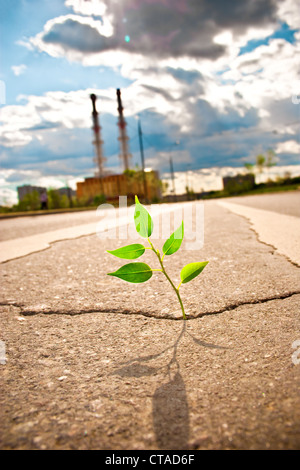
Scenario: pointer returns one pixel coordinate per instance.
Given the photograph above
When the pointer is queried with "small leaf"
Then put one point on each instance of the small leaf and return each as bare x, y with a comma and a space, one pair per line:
143, 220
174, 242
129, 251
134, 272
190, 271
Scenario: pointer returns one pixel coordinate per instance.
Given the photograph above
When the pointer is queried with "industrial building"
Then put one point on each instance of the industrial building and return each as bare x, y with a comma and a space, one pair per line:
146, 184
113, 186
239, 183
28, 189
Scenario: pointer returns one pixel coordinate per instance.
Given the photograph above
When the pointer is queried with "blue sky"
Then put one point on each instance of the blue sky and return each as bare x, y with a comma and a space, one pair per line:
213, 85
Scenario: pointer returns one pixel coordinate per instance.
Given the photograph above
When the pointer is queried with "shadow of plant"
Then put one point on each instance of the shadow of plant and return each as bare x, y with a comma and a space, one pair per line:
136, 370
170, 410
170, 414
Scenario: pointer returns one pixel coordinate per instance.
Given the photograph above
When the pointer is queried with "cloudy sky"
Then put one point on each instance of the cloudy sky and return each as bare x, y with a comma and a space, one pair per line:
214, 83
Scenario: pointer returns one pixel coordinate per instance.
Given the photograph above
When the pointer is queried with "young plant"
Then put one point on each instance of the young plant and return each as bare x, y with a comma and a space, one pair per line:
141, 272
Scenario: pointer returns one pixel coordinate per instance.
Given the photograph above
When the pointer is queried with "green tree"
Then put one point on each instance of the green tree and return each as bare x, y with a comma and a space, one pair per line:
99, 199
260, 163
56, 201
30, 202
271, 159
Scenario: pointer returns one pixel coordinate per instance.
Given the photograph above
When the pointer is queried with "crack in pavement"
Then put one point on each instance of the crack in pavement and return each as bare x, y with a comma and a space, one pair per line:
294, 263
46, 248
278, 231
227, 308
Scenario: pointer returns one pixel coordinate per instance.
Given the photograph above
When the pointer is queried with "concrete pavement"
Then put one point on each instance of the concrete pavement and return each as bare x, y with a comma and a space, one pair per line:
95, 363
287, 203
21, 237
278, 230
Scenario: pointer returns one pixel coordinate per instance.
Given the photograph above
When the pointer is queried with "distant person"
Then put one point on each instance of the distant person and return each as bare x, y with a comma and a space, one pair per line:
44, 200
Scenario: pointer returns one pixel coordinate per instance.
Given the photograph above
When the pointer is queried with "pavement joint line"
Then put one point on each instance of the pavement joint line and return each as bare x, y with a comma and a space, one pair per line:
48, 239
227, 308
278, 231
271, 246
50, 244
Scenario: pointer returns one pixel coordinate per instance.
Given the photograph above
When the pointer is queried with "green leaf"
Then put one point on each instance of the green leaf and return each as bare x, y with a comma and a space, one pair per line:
192, 270
134, 272
174, 242
129, 251
143, 220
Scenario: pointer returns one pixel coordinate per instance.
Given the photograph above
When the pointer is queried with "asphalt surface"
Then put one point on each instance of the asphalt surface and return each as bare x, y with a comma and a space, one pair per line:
282, 203
10, 229
20, 227
278, 230
92, 362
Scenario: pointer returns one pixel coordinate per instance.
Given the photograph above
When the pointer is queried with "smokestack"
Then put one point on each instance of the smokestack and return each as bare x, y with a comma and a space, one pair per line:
97, 142
123, 138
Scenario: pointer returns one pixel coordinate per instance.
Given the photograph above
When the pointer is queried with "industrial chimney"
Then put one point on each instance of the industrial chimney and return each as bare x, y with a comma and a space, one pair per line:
97, 142
123, 138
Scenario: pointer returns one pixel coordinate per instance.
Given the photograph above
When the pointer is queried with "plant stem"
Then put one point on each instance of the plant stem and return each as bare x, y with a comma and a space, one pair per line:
166, 275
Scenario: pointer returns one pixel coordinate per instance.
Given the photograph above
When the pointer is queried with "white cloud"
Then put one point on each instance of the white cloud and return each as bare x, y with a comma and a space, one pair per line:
290, 146
251, 80
72, 36
87, 7
224, 38
159, 30
289, 12
248, 82
224, 104
212, 179
19, 69
8, 197
258, 79
12, 178
49, 112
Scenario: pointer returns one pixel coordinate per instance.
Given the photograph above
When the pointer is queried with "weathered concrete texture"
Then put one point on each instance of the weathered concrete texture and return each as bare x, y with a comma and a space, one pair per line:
280, 231
71, 277
26, 226
287, 203
97, 363
109, 381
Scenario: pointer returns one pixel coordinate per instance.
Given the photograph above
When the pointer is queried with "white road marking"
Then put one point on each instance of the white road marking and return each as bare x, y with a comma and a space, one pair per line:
19, 247
279, 230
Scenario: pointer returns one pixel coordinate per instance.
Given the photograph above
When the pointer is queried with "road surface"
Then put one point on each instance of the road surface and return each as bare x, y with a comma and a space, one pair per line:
20, 227
284, 203
24, 235
88, 361
275, 218
287, 203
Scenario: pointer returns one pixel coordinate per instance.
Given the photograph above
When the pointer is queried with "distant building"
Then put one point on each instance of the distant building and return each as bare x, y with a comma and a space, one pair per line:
238, 183
113, 186
66, 192
27, 189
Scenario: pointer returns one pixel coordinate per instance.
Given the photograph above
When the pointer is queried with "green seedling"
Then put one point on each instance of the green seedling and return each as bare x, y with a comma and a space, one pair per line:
141, 272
